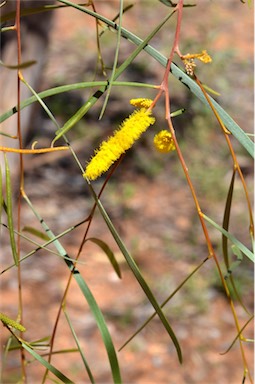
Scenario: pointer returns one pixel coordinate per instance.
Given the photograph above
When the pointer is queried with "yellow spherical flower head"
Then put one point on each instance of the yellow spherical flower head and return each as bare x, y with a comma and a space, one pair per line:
163, 142
109, 151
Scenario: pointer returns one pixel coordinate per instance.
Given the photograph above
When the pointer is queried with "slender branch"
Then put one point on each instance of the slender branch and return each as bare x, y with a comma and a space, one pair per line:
33, 151
232, 152
63, 300
21, 173
164, 88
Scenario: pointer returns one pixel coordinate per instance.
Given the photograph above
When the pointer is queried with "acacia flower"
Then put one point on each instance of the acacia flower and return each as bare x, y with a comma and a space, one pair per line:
141, 103
189, 63
12, 323
163, 142
204, 57
123, 138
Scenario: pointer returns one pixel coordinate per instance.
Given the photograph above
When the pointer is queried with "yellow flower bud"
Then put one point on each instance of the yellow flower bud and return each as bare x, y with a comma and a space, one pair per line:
188, 60
141, 103
189, 65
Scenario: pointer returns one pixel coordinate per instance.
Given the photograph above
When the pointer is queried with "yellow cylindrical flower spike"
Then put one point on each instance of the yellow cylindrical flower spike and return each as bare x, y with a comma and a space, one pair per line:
12, 323
109, 151
163, 142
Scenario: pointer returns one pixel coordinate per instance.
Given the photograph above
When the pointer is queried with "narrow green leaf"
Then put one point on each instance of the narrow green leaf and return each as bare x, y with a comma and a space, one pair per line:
44, 246
232, 238
79, 348
115, 63
6, 134
235, 249
179, 74
43, 342
236, 263
108, 253
78, 115
238, 335
46, 364
126, 8
61, 351
229, 274
134, 268
13, 345
89, 297
30, 11
44, 106
226, 219
36, 232
94, 98
163, 304
212, 91
4, 356
101, 325
20, 66
9, 211
229, 123
66, 88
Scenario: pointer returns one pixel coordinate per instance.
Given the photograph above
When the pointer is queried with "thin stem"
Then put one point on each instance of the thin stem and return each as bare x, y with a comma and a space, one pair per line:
63, 300
32, 151
21, 173
232, 152
164, 88
236, 167
99, 57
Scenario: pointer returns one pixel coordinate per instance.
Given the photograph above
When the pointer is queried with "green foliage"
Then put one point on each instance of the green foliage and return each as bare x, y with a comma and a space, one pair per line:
83, 124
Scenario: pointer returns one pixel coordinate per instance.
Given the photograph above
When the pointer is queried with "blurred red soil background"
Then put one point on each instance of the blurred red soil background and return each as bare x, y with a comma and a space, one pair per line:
155, 215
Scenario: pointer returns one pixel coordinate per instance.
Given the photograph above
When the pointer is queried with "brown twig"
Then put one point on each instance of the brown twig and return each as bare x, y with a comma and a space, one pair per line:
165, 89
